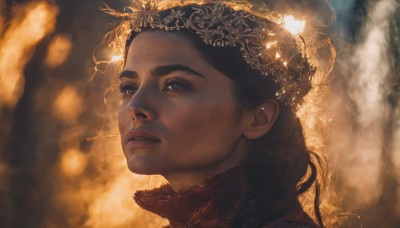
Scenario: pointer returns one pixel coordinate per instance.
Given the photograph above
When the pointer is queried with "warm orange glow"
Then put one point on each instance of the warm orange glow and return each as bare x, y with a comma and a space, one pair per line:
117, 58
2, 15
59, 49
117, 200
29, 25
293, 25
269, 45
73, 162
108, 197
68, 105
277, 55
396, 158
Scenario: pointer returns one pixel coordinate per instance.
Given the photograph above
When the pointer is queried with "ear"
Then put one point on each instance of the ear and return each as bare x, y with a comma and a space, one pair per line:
261, 119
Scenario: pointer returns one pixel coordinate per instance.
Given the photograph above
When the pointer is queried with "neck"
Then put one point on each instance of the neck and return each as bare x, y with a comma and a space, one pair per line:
183, 179
208, 205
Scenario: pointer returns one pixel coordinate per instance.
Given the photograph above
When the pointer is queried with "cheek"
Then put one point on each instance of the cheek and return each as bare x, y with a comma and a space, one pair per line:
203, 131
123, 118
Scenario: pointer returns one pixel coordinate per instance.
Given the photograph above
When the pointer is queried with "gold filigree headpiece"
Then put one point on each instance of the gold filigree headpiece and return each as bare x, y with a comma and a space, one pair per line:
265, 45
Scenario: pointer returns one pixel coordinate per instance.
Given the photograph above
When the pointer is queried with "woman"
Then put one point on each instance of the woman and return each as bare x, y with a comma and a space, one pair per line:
209, 94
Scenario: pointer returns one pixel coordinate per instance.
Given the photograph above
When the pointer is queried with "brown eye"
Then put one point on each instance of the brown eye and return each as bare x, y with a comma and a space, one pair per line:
127, 89
176, 85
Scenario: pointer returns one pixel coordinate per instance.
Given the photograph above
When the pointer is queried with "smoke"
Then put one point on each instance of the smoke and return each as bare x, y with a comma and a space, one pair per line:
68, 105
348, 18
98, 186
26, 26
61, 163
64, 166
364, 140
58, 51
30, 24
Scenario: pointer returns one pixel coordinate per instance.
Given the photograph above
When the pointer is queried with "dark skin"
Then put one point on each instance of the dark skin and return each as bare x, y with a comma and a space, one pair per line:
179, 116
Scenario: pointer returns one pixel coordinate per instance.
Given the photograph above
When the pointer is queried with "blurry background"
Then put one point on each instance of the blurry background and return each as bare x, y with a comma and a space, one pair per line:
60, 161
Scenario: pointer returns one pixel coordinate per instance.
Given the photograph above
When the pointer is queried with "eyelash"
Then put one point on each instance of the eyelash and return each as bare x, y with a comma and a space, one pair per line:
170, 85
127, 89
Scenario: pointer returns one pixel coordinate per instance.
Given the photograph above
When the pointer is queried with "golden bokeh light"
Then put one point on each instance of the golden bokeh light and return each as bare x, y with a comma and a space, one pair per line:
293, 25
105, 199
73, 162
58, 51
116, 199
269, 45
68, 105
89, 183
30, 24
117, 58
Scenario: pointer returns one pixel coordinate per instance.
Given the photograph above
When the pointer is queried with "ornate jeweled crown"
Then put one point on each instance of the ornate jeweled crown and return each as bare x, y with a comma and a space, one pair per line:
265, 45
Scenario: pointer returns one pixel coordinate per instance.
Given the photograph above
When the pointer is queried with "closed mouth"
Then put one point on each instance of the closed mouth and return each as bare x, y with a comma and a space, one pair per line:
139, 136
142, 139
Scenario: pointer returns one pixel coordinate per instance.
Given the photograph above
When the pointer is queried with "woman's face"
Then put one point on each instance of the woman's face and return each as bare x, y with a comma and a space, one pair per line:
178, 113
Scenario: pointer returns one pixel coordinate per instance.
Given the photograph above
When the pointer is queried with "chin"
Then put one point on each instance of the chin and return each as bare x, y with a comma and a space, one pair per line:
142, 167
139, 169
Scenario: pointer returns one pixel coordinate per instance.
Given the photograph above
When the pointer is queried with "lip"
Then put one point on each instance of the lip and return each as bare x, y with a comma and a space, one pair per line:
140, 139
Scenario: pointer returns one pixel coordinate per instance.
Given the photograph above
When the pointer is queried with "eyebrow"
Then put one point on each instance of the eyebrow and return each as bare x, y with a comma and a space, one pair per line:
128, 74
162, 71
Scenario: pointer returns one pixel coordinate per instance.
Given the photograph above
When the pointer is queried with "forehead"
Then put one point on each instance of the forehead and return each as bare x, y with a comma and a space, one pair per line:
162, 48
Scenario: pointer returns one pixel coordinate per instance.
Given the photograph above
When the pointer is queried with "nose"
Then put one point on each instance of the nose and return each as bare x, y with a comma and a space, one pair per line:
140, 107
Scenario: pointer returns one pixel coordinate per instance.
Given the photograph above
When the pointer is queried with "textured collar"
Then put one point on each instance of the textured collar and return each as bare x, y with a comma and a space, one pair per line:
212, 204
207, 205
